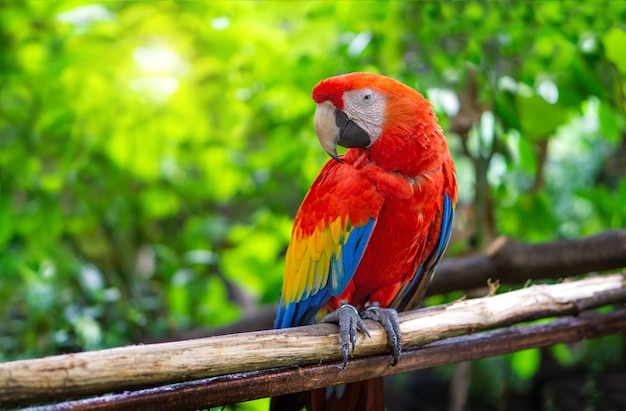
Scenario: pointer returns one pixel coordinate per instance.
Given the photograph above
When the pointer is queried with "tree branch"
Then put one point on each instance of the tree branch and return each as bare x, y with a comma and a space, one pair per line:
513, 262
66, 376
245, 386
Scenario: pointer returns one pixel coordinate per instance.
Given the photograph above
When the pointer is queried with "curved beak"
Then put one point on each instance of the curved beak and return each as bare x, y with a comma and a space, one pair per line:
333, 128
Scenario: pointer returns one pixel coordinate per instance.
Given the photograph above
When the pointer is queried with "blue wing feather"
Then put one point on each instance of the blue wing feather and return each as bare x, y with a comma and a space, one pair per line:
446, 227
343, 268
301, 312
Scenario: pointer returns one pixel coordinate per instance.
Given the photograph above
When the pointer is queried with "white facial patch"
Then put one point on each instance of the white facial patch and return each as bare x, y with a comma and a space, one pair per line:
366, 108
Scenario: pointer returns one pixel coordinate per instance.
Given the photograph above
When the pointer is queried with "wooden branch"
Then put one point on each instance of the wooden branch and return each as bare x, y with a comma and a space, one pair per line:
245, 386
513, 262
66, 376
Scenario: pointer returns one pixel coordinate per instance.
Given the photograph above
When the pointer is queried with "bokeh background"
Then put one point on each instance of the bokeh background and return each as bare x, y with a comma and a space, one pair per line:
153, 155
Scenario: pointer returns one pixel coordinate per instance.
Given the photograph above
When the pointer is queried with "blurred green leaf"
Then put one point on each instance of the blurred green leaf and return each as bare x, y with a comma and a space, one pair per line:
615, 45
526, 363
563, 354
611, 123
538, 118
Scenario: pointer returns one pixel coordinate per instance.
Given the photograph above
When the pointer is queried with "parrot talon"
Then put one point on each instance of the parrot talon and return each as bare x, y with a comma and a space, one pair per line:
350, 323
388, 318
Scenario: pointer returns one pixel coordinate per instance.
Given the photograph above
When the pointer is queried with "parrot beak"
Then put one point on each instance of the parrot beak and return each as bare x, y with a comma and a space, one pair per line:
333, 128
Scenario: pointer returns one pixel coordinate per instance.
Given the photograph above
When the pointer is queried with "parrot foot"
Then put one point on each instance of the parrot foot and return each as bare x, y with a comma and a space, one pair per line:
388, 318
350, 323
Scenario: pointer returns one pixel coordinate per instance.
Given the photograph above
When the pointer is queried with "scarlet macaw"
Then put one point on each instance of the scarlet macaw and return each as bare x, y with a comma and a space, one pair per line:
377, 219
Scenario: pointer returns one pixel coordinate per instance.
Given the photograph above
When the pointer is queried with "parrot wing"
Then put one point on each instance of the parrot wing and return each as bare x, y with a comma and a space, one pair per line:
330, 234
440, 232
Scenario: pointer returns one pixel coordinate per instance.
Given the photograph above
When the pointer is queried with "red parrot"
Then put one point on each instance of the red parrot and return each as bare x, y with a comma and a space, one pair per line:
373, 225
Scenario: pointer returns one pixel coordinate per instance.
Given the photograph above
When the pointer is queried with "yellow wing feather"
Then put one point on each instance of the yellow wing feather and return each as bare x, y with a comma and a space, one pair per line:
308, 260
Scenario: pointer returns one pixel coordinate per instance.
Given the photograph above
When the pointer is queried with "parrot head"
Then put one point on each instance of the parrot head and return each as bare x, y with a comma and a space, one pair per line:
354, 109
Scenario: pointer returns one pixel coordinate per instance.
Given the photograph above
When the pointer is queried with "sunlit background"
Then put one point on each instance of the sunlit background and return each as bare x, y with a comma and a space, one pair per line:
153, 153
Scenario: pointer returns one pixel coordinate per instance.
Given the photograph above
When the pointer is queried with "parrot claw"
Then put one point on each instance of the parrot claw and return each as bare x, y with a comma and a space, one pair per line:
388, 318
350, 323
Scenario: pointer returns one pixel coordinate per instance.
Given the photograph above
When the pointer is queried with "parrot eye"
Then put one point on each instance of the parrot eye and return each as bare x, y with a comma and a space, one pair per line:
367, 96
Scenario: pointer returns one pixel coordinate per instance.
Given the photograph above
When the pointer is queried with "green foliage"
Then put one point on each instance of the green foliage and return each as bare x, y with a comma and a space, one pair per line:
153, 154
526, 363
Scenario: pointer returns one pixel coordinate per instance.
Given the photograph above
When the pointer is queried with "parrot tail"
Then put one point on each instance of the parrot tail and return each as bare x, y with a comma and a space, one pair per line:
356, 396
